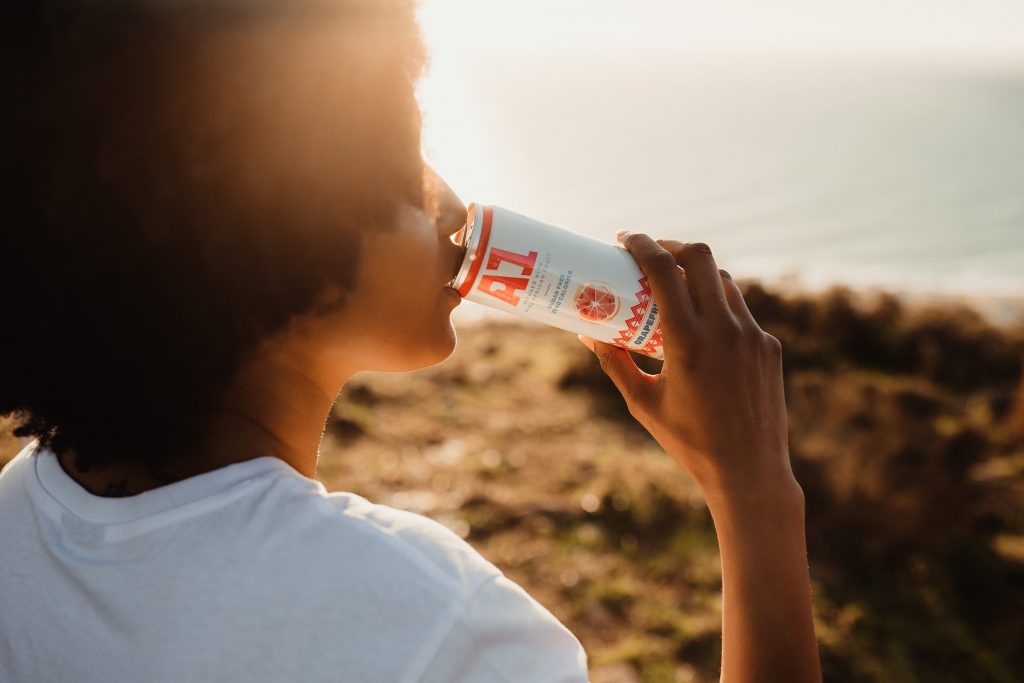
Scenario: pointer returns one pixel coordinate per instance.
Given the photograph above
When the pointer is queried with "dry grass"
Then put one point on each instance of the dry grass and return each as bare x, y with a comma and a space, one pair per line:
902, 432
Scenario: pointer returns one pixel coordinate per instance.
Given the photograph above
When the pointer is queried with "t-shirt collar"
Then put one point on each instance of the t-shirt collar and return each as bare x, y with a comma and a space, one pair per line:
59, 487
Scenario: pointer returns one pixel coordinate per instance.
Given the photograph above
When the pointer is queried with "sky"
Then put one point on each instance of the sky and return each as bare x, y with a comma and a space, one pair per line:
977, 29
470, 40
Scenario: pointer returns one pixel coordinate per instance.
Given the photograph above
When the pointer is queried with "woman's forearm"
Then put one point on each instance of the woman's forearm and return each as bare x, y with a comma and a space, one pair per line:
718, 407
767, 627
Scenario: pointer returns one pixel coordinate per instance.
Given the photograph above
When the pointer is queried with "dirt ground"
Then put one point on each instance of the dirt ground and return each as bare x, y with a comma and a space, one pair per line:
912, 466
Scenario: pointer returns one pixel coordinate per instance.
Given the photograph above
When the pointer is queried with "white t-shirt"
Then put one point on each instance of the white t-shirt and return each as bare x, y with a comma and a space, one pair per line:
253, 572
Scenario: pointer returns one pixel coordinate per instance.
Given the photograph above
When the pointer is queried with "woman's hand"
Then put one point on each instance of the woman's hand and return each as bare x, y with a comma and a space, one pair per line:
717, 406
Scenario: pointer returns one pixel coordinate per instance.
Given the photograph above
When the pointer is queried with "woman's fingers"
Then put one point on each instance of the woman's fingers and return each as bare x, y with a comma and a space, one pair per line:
702, 276
667, 283
737, 303
620, 368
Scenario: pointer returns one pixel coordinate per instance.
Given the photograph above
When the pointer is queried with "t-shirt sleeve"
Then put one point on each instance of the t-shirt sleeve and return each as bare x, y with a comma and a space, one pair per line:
503, 634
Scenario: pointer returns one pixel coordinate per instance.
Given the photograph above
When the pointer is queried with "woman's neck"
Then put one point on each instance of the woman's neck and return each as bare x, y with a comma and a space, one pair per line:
278, 405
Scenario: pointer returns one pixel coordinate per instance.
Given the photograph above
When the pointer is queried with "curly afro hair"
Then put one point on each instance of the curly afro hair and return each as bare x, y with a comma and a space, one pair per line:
181, 180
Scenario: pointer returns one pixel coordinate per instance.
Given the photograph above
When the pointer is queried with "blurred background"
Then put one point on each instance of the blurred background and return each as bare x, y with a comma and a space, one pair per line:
877, 143
873, 145
860, 165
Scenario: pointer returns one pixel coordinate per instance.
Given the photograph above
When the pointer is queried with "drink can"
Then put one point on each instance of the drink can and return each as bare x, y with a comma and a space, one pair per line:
556, 277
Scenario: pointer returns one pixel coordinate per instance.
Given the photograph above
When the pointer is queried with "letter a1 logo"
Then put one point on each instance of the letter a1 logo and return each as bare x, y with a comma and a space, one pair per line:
508, 285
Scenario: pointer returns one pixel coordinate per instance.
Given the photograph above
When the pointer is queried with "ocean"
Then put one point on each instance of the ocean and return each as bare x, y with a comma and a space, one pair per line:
805, 172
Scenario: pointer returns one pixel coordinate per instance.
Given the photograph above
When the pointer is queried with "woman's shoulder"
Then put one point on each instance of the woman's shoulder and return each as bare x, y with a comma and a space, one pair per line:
429, 545
386, 541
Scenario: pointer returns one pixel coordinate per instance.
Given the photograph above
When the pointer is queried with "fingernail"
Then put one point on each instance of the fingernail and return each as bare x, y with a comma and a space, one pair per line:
621, 235
589, 343
725, 274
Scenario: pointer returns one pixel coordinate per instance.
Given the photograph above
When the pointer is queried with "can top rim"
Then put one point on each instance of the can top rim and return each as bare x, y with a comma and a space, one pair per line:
470, 243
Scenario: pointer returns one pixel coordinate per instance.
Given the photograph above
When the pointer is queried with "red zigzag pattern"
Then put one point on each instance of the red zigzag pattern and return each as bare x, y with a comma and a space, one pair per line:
639, 310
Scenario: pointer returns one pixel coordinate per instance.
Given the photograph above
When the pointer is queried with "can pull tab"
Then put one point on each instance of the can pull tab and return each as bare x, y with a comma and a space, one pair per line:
458, 238
460, 241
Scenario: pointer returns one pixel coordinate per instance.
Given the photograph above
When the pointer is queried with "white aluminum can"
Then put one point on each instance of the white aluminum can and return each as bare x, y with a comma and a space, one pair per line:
556, 277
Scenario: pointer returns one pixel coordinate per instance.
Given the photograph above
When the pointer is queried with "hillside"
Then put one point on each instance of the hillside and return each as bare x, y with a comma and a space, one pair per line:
907, 433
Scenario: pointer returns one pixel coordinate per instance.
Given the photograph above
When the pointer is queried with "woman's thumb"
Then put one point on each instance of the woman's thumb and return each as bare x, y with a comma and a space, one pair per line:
617, 364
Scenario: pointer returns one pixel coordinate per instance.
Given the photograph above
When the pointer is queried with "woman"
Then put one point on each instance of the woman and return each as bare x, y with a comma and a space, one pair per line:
216, 213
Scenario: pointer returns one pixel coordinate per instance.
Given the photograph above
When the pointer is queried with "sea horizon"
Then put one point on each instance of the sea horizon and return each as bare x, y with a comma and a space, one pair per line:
880, 174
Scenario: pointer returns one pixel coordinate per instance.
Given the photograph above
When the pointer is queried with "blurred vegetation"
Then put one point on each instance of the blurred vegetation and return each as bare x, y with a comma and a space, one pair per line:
907, 434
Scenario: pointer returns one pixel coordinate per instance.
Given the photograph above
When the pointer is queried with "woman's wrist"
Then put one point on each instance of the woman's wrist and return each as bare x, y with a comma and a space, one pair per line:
779, 499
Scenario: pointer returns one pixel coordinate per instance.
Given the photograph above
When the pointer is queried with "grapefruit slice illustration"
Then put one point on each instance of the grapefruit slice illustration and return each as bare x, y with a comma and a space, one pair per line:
596, 301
